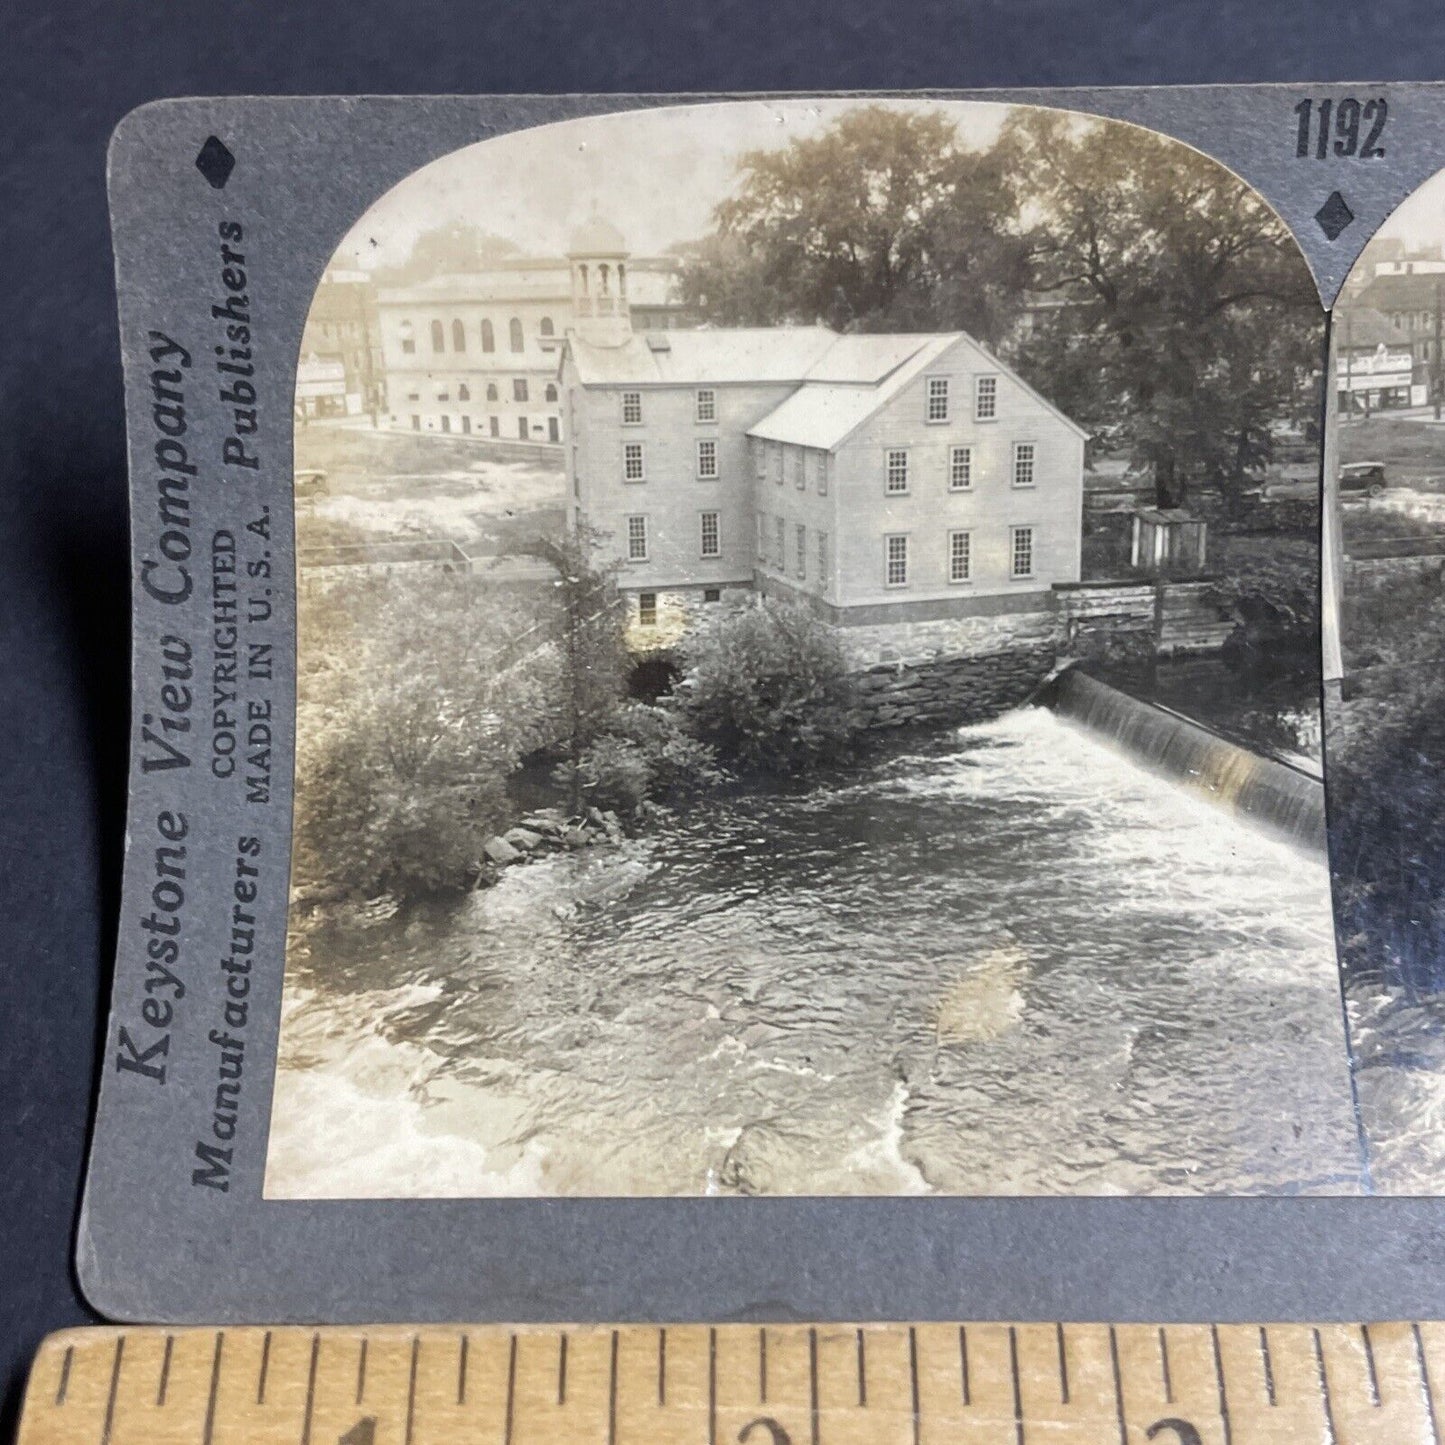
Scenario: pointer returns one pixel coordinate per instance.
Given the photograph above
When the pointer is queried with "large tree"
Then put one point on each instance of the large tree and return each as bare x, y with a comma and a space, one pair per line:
1185, 321
884, 222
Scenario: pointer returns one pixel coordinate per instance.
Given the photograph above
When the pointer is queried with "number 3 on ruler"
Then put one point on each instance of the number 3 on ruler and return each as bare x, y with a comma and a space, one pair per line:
361, 1433
1348, 115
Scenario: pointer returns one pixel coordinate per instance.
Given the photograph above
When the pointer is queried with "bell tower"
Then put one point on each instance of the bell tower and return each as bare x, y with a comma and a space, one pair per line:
598, 256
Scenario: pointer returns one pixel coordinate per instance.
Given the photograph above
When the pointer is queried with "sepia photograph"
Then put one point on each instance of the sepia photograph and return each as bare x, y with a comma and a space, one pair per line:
1384, 703
809, 671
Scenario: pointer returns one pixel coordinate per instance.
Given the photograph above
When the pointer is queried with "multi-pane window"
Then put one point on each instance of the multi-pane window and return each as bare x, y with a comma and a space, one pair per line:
800, 550
711, 541
707, 405
1023, 464
775, 450
985, 397
960, 469
637, 539
820, 464
633, 469
760, 460
960, 556
489, 337
895, 560
937, 398
896, 473
779, 542
647, 609
762, 538
519, 388
631, 408
1021, 551
707, 457
800, 464
822, 556
514, 334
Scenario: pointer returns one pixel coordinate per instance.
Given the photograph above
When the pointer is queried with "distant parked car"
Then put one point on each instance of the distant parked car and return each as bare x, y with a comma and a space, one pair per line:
1363, 477
310, 483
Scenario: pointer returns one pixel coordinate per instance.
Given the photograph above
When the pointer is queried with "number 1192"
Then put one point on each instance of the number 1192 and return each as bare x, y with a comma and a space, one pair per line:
1329, 127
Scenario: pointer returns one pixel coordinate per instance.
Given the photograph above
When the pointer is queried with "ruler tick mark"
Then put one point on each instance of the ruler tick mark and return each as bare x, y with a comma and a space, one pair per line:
813, 1420
562, 1364
1219, 1378
1427, 1393
411, 1390
1164, 1375
862, 1371
1268, 1362
712, 1387
1330, 1436
611, 1393
963, 1364
166, 1371
361, 1371
763, 1364
311, 1388
511, 1389
109, 1423
662, 1367
64, 1386
265, 1365
1063, 1364
1013, 1360
208, 1434
1118, 1386
913, 1382
462, 1371
1370, 1363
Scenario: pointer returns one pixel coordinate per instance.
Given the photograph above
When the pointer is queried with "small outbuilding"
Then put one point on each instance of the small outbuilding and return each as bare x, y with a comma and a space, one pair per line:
1167, 541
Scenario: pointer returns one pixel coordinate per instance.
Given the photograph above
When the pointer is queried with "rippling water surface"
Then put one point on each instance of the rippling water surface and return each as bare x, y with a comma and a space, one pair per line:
1006, 962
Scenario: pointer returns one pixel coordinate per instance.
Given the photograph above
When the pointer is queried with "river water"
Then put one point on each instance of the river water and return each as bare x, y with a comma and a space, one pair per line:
1001, 960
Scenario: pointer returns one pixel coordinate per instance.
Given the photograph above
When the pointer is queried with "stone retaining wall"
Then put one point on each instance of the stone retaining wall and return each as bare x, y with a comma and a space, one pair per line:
953, 689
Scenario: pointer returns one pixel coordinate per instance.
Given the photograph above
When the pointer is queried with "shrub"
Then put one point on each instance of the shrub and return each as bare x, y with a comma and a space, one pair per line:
769, 686
646, 755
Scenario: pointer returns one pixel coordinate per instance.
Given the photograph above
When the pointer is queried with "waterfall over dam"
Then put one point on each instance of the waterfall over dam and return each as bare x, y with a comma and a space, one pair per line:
1283, 799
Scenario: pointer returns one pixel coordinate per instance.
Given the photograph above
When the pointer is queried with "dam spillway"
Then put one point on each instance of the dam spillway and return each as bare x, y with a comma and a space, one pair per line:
1274, 795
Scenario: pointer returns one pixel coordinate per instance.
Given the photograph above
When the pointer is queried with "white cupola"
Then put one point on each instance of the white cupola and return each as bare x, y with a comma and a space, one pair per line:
598, 256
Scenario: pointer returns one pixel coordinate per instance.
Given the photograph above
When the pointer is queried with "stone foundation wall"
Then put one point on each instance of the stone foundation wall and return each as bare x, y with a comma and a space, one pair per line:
916, 643
956, 690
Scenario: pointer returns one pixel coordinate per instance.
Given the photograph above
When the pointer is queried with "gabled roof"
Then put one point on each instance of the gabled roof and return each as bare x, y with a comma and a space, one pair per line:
1363, 328
1413, 291
771, 354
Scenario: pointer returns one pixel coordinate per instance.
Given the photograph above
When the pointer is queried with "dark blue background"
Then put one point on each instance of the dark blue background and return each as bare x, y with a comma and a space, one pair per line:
67, 74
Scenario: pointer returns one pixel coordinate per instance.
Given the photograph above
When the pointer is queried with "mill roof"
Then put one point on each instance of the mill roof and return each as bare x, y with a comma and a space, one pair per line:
776, 354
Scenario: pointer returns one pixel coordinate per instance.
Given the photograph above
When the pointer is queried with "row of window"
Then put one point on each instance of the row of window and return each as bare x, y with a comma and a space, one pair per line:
896, 466
647, 604
494, 426
897, 547
938, 403
704, 402
516, 338
464, 392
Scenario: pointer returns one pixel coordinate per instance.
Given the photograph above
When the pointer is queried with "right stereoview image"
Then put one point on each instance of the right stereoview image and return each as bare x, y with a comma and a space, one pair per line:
1385, 685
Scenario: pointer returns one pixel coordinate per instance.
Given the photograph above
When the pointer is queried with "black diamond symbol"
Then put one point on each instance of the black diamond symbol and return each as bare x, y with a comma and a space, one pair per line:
1333, 216
216, 163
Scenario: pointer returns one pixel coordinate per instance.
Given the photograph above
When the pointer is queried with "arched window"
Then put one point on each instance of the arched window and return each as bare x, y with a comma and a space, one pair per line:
489, 340
491, 391
514, 327
551, 392
408, 338
459, 336
546, 327
464, 392
438, 337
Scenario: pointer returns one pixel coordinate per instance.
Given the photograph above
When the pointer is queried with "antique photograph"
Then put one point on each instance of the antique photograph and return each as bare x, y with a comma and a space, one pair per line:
1384, 712
809, 667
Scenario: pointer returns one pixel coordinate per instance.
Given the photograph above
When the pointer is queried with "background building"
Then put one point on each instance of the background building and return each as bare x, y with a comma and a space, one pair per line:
340, 369
476, 353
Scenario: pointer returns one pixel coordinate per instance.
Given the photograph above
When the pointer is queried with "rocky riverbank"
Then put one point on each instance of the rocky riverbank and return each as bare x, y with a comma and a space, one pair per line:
544, 831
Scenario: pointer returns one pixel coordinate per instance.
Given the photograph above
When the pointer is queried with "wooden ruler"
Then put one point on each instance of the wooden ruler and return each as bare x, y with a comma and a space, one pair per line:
924, 1384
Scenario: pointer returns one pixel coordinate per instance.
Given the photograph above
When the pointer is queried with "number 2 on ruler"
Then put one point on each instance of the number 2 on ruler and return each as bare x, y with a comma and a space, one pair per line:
1349, 116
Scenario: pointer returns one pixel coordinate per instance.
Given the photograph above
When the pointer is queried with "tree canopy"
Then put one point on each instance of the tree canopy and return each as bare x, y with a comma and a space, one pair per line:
1141, 286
